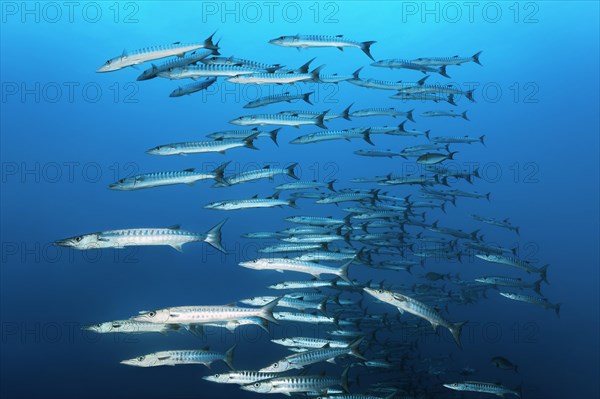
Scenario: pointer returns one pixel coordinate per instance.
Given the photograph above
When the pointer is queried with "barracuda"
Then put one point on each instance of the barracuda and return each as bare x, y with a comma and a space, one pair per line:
242, 62
312, 343
484, 387
382, 112
294, 285
256, 174
240, 377
316, 238
285, 97
300, 360
303, 185
396, 63
206, 314
203, 71
534, 300
298, 384
196, 147
131, 327
285, 302
285, 264
153, 53
277, 77
382, 84
327, 135
370, 196
436, 89
319, 221
450, 114
516, 262
304, 318
314, 41
440, 61
279, 119
157, 179
172, 236
255, 202
510, 282
417, 308
457, 140
189, 59
495, 222
192, 87
289, 248
242, 134
315, 114
319, 256
176, 357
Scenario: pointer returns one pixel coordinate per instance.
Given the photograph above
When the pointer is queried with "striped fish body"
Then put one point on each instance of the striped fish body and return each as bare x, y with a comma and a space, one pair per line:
204, 314
157, 179
148, 54
240, 377
233, 205
189, 59
484, 387
204, 71
289, 248
197, 147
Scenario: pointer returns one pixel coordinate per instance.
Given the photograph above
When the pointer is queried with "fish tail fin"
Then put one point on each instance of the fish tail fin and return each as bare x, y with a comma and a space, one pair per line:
456, 330
249, 141
517, 231
306, 97
330, 185
450, 99
443, 71
208, 43
481, 139
273, 135
292, 203
343, 271
354, 348
346, 112
321, 119
344, 379
219, 171
266, 312
464, 116
304, 67
228, 359
451, 154
427, 135
315, 73
355, 73
557, 309
544, 273
213, 236
487, 196
409, 115
475, 58
469, 95
290, 171
367, 136
537, 286
366, 48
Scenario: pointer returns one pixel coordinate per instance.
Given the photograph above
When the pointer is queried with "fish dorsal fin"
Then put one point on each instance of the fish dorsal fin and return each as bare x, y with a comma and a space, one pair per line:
124, 54
189, 170
339, 35
255, 196
267, 167
176, 42
174, 227
206, 348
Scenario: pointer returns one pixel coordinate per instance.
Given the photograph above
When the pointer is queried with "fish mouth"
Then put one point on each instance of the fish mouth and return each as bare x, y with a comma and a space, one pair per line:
66, 242
245, 264
235, 121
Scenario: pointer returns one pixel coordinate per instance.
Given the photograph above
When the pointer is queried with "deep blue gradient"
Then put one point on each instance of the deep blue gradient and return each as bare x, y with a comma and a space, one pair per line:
537, 104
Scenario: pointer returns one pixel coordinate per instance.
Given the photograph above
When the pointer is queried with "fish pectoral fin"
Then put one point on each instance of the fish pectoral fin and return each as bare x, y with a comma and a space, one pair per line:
279, 270
178, 247
340, 48
332, 360
181, 55
401, 310
164, 358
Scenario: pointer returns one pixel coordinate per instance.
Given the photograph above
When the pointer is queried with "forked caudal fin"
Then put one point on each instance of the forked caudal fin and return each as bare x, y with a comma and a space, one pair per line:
343, 271
456, 330
266, 312
228, 359
213, 237
366, 48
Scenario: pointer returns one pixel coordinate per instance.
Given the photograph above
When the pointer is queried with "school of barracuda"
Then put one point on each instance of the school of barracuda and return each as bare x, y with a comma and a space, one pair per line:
382, 230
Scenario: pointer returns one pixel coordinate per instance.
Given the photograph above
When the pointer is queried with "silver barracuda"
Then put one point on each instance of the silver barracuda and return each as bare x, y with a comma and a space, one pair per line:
484, 387
254, 202
285, 264
192, 87
319, 221
457, 140
397, 63
240, 377
516, 262
298, 384
158, 179
271, 68
327, 135
173, 237
303, 185
277, 77
196, 147
393, 112
534, 300
206, 314
127, 59
204, 71
315, 41
450, 114
131, 327
189, 59
510, 282
279, 119
440, 61
505, 223
294, 285
305, 318
417, 308
242, 134
176, 357
345, 114
310, 343
257, 174
285, 97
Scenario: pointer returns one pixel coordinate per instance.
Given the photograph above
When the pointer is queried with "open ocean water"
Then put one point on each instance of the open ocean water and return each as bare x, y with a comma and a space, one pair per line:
67, 132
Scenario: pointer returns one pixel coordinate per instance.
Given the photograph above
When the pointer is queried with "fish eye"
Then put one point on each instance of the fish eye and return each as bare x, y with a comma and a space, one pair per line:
276, 365
257, 384
108, 62
217, 375
99, 325
141, 358
380, 291
152, 314
78, 238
